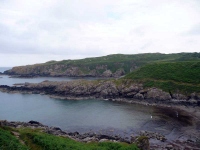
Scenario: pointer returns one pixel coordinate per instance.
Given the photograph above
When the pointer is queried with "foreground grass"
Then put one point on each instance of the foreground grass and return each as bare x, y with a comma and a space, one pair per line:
176, 76
37, 140
9, 141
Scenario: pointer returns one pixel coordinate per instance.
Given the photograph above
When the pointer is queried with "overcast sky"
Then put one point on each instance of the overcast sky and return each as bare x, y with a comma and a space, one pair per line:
36, 31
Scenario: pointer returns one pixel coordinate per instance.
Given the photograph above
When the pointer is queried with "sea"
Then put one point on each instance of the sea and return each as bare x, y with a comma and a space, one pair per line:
91, 115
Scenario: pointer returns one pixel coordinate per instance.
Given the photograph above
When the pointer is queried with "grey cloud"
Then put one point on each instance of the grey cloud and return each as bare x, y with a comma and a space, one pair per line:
11, 47
85, 28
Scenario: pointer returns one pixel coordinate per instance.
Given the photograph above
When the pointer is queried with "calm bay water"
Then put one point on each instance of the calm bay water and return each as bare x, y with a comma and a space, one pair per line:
72, 114
6, 80
77, 115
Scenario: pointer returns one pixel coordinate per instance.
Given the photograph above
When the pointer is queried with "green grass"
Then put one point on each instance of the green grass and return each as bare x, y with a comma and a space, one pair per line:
115, 62
9, 141
37, 140
173, 77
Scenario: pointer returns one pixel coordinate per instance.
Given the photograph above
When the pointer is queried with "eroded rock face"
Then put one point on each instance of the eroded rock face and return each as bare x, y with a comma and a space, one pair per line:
65, 70
157, 94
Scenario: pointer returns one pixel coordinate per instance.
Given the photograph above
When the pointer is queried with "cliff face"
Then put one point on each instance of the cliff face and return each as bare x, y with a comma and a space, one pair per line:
107, 66
64, 70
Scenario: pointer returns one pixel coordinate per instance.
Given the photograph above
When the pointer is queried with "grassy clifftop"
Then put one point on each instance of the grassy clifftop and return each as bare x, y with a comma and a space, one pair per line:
137, 58
108, 66
181, 77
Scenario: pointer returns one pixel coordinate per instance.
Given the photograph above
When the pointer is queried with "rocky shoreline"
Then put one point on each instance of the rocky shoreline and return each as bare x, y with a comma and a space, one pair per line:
143, 139
126, 91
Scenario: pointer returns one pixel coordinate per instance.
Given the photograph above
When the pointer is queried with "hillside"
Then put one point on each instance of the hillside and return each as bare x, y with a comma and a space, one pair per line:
170, 76
107, 66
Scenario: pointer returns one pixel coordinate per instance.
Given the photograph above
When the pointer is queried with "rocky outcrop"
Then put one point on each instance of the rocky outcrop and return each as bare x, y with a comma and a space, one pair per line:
65, 70
157, 94
106, 89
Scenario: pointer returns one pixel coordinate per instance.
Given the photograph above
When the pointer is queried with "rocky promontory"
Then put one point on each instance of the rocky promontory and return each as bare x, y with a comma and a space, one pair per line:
115, 65
119, 90
64, 71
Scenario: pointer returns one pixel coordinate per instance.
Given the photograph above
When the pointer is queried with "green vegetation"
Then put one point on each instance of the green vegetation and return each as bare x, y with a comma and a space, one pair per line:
37, 140
9, 142
121, 61
171, 77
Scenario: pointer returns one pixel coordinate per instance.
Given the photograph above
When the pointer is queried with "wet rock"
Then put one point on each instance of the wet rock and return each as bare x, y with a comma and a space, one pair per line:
34, 122
56, 128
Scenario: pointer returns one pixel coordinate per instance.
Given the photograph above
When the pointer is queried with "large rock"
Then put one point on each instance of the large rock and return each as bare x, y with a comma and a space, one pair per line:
107, 73
119, 73
139, 96
157, 94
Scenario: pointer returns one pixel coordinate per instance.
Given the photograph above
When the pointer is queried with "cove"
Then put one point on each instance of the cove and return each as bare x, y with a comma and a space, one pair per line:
86, 115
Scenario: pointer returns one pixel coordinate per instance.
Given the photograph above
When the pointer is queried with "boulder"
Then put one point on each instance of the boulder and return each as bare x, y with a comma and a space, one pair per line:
139, 96
107, 73
119, 73
34, 122
157, 94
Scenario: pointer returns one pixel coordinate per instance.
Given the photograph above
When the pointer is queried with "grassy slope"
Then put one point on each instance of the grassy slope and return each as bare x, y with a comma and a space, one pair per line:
36, 140
117, 61
175, 76
9, 141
